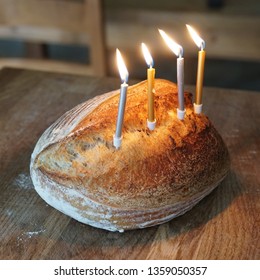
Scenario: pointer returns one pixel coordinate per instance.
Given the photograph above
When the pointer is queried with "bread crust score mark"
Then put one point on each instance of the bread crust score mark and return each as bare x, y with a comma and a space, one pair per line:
155, 175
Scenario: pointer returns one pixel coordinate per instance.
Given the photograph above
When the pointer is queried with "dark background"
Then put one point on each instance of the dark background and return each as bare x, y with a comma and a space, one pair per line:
227, 72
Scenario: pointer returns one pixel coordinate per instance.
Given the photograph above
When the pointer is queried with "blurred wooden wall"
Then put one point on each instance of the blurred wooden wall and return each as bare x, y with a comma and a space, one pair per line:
231, 30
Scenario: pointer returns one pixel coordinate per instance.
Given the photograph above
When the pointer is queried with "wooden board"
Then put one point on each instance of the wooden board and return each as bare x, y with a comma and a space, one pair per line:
224, 225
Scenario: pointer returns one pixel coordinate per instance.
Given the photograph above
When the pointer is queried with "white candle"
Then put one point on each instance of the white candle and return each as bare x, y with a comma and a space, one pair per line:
178, 51
180, 82
200, 71
122, 99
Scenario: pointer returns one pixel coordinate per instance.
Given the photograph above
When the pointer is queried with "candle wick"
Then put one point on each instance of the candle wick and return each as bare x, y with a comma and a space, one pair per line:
202, 45
180, 52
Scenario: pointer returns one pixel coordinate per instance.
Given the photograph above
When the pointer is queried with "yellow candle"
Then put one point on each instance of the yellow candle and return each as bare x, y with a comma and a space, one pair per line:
200, 71
200, 76
151, 121
150, 84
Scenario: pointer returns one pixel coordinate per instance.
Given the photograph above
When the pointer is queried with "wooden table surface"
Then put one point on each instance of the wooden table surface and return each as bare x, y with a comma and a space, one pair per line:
224, 225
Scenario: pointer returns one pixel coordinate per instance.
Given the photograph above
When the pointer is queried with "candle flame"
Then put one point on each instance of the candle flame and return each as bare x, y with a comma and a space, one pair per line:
147, 55
121, 67
196, 38
176, 48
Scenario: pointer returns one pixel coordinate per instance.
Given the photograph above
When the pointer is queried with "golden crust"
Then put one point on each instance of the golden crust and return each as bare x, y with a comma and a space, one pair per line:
172, 167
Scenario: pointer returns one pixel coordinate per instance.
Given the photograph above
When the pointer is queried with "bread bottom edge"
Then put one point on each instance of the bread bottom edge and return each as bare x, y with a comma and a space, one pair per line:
79, 207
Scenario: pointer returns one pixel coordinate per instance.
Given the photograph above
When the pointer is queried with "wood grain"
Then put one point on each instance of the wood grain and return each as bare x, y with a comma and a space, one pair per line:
224, 225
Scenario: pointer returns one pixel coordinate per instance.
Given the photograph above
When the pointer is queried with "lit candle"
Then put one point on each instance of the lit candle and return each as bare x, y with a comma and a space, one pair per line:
200, 71
122, 100
178, 50
151, 121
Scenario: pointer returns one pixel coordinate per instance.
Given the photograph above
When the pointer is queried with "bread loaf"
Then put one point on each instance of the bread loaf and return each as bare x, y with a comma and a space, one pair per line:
154, 176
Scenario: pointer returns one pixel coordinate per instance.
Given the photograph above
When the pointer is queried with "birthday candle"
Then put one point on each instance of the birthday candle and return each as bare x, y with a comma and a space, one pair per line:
200, 71
122, 100
151, 121
178, 50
